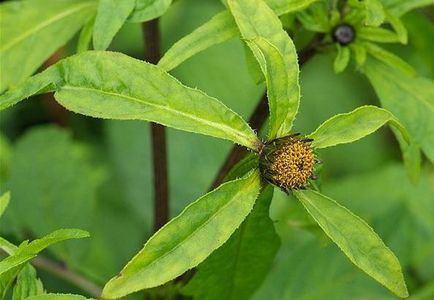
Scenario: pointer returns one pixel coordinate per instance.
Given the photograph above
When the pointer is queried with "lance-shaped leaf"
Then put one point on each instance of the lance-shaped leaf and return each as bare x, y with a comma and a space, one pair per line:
115, 86
146, 10
411, 99
356, 239
4, 202
250, 15
7, 278
374, 12
352, 126
188, 239
389, 58
217, 30
110, 17
377, 34
237, 269
400, 7
32, 30
282, 88
57, 297
342, 59
28, 251
28, 284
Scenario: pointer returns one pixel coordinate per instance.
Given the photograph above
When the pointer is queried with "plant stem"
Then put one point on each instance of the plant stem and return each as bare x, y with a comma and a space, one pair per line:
61, 271
151, 35
256, 121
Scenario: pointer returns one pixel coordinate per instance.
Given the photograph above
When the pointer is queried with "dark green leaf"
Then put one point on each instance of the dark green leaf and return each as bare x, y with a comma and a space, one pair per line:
32, 30
188, 239
237, 269
356, 239
110, 17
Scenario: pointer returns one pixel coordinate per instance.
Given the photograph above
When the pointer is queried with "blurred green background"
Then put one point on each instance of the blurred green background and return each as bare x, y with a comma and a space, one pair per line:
66, 170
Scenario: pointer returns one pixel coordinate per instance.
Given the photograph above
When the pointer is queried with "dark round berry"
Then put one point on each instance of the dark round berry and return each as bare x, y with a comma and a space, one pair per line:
344, 34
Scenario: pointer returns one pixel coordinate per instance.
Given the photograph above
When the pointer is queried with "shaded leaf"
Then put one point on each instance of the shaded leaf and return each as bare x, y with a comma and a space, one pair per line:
4, 202
342, 59
28, 284
359, 53
411, 99
110, 17
146, 10
94, 84
237, 269
400, 7
85, 36
188, 239
249, 16
32, 30
356, 239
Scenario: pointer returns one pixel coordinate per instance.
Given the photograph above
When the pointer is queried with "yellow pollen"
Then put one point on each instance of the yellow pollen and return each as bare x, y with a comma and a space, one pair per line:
292, 164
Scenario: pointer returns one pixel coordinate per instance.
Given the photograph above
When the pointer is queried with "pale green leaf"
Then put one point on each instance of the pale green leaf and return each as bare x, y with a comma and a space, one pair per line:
237, 269
115, 86
352, 126
57, 297
188, 239
32, 30
217, 30
85, 36
398, 26
342, 59
28, 284
4, 202
146, 10
400, 7
250, 15
7, 278
377, 34
411, 99
28, 251
7, 246
110, 17
356, 239
282, 89
389, 58
374, 12
359, 53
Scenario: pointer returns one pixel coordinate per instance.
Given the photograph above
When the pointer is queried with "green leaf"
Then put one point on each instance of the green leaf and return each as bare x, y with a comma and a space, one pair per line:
400, 7
188, 239
7, 246
28, 284
28, 251
4, 202
352, 126
237, 269
57, 297
377, 34
146, 10
217, 30
356, 239
32, 30
342, 59
282, 88
374, 12
110, 17
398, 26
411, 99
85, 37
359, 53
250, 15
389, 58
94, 84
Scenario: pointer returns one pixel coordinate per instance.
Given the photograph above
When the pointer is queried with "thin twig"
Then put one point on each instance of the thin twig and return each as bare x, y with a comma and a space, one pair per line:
256, 121
151, 35
64, 273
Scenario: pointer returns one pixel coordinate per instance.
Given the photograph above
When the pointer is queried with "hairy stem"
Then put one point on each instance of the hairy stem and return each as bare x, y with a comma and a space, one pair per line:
151, 35
256, 121
64, 273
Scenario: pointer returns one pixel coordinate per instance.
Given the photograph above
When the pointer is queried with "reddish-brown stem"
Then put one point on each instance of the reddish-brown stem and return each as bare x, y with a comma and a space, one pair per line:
256, 121
151, 35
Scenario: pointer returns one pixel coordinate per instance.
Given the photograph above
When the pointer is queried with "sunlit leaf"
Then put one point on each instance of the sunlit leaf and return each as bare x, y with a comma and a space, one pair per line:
95, 84
146, 10
29, 34
377, 34
342, 59
356, 239
85, 36
411, 99
28, 284
400, 7
398, 26
374, 12
249, 16
28, 251
4, 202
57, 297
110, 17
188, 239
